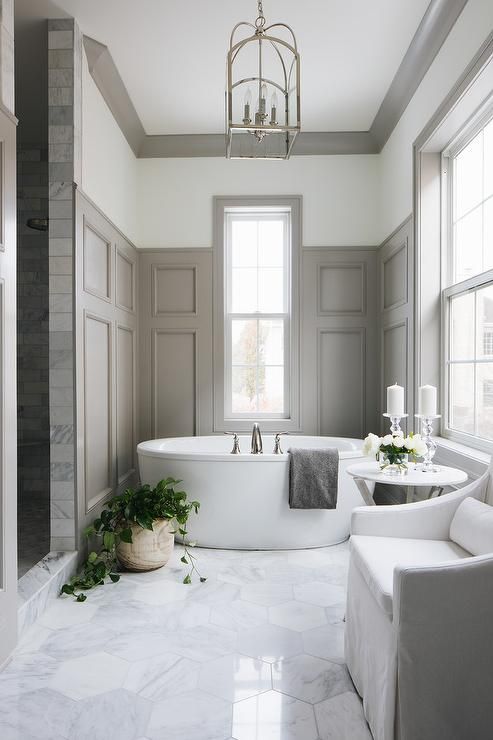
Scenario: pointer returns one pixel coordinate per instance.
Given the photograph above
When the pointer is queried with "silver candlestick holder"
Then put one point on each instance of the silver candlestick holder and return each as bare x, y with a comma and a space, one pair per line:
395, 422
427, 465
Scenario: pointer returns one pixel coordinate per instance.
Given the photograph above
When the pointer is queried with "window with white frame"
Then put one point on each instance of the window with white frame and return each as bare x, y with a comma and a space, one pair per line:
468, 295
256, 360
257, 259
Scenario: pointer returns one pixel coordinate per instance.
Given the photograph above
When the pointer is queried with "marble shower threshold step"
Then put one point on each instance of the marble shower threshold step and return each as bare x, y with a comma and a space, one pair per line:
41, 585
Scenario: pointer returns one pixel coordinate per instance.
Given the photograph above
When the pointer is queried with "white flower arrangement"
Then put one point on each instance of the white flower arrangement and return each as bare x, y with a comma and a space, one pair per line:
394, 445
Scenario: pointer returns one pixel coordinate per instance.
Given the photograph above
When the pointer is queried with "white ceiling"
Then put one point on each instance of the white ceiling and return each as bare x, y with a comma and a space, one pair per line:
171, 54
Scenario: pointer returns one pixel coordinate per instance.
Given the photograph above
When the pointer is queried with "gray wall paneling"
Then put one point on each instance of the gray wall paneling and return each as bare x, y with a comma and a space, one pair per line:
338, 341
106, 334
395, 318
175, 372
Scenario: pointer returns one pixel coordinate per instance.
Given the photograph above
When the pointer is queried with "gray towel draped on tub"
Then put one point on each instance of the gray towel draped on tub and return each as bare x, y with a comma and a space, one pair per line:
313, 478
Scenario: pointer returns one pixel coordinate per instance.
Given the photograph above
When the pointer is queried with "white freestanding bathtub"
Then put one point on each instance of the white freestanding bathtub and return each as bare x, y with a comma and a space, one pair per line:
244, 498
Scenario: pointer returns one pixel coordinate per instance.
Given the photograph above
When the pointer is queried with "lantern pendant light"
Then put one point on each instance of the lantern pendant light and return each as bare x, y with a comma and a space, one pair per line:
263, 114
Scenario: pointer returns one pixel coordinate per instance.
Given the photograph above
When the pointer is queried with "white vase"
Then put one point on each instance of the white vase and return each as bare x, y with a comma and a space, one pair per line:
149, 549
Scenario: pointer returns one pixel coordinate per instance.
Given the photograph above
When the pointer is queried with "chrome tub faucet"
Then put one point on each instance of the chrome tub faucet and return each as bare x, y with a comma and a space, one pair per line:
236, 443
277, 443
256, 448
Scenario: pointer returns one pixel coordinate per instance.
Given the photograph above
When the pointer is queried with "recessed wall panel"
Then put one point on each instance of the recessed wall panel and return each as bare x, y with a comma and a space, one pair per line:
341, 290
97, 402
125, 403
124, 282
341, 382
395, 279
97, 256
395, 355
174, 383
174, 291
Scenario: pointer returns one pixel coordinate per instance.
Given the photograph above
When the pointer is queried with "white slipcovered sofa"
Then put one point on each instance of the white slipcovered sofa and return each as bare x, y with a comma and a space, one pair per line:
419, 619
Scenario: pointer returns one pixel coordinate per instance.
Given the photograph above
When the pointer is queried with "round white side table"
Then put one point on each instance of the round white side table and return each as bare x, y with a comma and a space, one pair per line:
365, 476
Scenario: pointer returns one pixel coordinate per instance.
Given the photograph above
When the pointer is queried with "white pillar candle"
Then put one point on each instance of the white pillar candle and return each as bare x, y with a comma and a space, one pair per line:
395, 400
427, 400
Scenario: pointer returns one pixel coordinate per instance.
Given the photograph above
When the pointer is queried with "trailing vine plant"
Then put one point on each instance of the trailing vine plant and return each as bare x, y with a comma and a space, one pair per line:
141, 506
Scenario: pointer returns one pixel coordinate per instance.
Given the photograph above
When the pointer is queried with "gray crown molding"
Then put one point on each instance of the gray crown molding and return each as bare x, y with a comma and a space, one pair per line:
214, 145
107, 78
437, 22
434, 28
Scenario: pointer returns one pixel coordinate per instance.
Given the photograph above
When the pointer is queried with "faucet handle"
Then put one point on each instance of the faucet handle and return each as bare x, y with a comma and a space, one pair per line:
277, 443
236, 443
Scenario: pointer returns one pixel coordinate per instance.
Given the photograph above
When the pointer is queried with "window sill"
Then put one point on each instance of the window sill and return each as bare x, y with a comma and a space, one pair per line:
457, 455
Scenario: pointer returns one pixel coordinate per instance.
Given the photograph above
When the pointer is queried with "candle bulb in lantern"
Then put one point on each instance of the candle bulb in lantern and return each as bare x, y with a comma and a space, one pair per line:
427, 400
273, 109
395, 400
246, 109
263, 96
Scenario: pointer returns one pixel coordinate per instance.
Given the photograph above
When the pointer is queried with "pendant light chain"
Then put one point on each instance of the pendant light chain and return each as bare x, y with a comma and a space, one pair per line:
260, 22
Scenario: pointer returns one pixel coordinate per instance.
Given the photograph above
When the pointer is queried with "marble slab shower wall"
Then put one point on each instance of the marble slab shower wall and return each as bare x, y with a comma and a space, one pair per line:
64, 126
33, 421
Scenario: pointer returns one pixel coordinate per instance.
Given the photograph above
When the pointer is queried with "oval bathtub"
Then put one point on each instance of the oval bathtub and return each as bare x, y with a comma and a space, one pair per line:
244, 498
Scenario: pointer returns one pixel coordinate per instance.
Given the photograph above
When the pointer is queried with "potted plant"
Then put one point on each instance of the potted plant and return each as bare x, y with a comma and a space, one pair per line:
137, 530
393, 451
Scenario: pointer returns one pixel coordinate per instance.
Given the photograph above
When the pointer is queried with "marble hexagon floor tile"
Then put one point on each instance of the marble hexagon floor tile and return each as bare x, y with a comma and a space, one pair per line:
65, 612
26, 673
310, 679
319, 594
192, 716
235, 677
73, 642
296, 615
43, 714
273, 716
342, 718
270, 643
239, 615
325, 642
150, 658
162, 676
203, 643
114, 715
89, 675
166, 592
139, 645
267, 594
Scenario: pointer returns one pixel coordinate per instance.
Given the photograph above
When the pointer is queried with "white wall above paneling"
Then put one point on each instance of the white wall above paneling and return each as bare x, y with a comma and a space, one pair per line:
340, 197
396, 178
109, 167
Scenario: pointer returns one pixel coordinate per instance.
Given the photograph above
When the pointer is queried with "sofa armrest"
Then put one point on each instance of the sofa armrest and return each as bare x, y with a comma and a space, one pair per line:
443, 619
427, 520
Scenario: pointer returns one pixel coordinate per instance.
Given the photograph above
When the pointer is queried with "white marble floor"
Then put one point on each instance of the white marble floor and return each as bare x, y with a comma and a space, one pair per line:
255, 653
